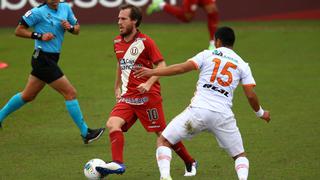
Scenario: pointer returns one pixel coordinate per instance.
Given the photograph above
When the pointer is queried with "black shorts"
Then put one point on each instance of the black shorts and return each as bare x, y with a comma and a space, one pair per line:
45, 66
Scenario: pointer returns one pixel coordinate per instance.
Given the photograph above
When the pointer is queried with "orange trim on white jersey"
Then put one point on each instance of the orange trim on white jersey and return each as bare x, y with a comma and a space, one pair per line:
194, 64
248, 85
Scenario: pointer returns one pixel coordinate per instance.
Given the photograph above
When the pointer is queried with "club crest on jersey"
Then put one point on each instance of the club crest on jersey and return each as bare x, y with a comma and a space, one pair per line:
49, 16
134, 51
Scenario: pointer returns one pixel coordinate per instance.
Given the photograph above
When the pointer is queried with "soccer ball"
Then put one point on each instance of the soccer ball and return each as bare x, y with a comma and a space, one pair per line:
90, 171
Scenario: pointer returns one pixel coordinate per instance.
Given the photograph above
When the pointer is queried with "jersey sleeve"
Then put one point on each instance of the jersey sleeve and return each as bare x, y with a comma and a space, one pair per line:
153, 52
71, 17
31, 17
198, 60
246, 76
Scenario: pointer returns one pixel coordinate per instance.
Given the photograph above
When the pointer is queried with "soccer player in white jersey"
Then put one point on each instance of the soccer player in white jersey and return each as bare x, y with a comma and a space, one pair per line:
210, 110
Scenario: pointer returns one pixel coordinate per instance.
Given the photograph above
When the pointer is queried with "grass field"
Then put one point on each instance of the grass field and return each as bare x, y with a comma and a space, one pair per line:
40, 140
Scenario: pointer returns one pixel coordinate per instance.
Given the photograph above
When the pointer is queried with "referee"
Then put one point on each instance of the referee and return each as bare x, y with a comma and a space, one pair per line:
49, 21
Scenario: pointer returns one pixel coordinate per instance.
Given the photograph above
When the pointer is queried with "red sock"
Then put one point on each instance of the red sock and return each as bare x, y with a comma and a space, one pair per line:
182, 152
175, 11
212, 23
117, 145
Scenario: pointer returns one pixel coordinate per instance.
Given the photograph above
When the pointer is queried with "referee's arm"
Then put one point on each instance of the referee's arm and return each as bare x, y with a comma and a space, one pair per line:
22, 31
74, 29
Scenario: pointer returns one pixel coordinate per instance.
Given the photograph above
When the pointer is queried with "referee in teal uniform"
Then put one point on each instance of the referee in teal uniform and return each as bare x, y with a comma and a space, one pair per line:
49, 21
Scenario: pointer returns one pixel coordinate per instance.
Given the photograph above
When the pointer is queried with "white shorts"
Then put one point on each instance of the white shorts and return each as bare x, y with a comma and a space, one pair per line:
194, 120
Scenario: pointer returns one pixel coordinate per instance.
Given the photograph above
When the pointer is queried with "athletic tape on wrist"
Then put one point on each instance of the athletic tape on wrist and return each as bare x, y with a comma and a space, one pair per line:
260, 112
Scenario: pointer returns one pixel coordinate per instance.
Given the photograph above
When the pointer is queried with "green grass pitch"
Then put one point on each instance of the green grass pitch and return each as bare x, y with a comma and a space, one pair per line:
40, 140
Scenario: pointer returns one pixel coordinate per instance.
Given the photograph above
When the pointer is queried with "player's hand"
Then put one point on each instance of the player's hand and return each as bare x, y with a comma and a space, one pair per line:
117, 94
66, 25
143, 72
143, 87
266, 116
47, 36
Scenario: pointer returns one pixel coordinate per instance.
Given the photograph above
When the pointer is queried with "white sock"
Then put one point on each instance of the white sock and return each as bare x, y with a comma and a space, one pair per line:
163, 155
242, 168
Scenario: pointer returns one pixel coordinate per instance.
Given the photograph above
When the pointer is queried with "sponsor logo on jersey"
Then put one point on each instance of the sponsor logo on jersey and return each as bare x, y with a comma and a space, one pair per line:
117, 52
217, 89
154, 126
116, 40
219, 53
135, 101
126, 64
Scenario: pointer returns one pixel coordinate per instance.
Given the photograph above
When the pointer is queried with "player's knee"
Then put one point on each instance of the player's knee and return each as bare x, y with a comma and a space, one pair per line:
162, 141
28, 97
70, 94
109, 125
112, 125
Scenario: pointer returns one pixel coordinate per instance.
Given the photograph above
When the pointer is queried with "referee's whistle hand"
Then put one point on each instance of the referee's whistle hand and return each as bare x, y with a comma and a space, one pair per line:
47, 36
65, 24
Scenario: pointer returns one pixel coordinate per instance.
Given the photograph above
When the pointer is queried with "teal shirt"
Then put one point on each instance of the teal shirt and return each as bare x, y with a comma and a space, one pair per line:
43, 19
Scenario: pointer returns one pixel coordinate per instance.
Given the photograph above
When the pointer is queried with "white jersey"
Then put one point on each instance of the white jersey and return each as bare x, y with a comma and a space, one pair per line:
220, 73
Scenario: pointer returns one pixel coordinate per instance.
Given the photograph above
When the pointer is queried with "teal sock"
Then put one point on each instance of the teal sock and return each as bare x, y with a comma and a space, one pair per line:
76, 114
12, 105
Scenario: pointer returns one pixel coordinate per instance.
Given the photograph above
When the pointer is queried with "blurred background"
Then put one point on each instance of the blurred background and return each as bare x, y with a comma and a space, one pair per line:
105, 11
278, 38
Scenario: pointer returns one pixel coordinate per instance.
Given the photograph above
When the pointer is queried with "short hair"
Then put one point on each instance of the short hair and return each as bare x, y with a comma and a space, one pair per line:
135, 13
226, 35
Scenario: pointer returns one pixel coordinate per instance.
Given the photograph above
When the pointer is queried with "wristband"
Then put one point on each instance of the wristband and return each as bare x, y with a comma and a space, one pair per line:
71, 29
36, 35
260, 112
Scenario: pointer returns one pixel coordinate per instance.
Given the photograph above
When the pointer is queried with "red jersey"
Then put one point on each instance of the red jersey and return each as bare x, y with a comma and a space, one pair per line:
139, 52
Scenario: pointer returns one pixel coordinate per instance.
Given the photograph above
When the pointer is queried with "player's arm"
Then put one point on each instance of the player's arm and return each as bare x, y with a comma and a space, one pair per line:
254, 102
117, 83
166, 71
144, 87
22, 31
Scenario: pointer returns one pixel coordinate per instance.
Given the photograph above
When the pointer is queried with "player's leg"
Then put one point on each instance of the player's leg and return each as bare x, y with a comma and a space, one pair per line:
121, 119
153, 119
176, 131
64, 87
184, 13
241, 164
116, 138
229, 138
163, 156
212, 17
33, 87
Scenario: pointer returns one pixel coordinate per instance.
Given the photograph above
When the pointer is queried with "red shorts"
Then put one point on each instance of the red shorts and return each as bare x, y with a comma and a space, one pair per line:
150, 114
190, 6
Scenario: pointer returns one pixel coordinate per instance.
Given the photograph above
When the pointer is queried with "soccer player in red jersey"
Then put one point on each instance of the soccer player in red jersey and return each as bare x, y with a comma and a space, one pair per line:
187, 12
137, 98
